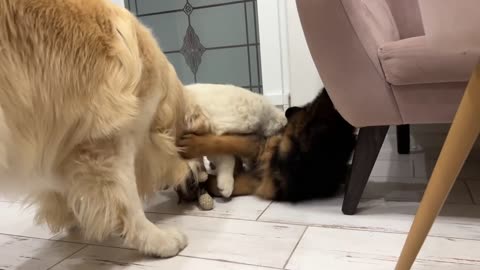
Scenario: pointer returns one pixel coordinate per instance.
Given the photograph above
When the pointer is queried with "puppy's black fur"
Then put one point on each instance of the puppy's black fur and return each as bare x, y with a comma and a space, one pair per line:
321, 143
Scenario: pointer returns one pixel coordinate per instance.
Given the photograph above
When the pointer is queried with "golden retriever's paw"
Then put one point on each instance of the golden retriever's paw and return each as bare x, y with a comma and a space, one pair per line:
163, 243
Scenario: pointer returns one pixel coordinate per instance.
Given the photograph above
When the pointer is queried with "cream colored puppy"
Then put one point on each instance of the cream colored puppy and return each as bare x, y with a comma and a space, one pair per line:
90, 109
222, 109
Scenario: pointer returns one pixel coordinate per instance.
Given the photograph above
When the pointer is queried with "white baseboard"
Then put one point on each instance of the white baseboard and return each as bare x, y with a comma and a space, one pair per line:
277, 99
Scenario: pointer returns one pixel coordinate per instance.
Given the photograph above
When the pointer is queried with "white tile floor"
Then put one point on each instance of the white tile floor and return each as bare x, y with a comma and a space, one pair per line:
248, 233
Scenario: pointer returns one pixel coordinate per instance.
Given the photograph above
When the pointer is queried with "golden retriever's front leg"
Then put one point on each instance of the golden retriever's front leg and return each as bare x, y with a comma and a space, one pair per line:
54, 211
103, 197
194, 146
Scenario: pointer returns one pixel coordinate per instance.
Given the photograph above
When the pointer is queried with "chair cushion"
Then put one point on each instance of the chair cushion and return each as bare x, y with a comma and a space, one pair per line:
416, 61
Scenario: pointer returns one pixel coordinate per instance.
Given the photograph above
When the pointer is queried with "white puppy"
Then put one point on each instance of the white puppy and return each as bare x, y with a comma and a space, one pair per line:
221, 109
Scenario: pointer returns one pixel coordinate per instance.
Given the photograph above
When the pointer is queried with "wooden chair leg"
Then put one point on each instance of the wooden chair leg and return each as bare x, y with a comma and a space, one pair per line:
403, 139
369, 143
460, 140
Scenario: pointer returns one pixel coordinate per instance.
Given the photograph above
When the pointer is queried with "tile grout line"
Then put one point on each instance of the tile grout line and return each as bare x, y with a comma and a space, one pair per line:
68, 257
338, 227
37, 238
295, 248
51, 239
264, 210
277, 222
227, 261
201, 216
179, 255
386, 232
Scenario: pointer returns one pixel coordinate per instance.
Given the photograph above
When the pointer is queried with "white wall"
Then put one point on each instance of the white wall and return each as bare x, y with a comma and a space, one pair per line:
304, 81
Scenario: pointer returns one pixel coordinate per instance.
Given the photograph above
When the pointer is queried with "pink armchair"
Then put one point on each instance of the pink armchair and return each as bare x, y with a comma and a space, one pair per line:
379, 70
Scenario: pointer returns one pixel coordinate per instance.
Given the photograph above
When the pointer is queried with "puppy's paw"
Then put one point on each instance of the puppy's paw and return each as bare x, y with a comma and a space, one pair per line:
225, 185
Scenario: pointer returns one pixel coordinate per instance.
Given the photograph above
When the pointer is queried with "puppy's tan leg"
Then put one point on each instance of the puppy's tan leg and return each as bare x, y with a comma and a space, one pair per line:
266, 189
103, 197
245, 184
195, 146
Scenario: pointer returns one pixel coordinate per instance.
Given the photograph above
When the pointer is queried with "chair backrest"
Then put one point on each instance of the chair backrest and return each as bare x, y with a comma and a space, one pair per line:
452, 23
408, 17
343, 37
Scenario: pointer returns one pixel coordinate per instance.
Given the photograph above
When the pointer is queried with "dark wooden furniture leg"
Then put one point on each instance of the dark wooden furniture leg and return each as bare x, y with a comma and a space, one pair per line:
403, 139
369, 143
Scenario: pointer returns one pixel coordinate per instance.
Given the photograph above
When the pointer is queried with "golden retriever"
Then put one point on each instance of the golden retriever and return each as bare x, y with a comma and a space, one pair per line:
90, 109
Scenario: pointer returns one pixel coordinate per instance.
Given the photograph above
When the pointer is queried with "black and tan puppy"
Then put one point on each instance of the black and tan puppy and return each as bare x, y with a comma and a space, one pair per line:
307, 159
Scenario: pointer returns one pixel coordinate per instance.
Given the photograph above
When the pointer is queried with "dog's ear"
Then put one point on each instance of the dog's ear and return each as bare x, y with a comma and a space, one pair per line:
291, 111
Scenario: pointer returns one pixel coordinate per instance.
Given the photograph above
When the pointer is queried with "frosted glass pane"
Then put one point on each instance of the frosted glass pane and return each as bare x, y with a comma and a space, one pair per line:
206, 40
224, 66
180, 65
169, 29
220, 26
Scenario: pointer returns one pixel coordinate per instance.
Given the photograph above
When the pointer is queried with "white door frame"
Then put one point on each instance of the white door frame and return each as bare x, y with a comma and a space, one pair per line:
290, 77
272, 24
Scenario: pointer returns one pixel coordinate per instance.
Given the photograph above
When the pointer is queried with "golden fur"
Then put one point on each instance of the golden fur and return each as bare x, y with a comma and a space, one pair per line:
88, 104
